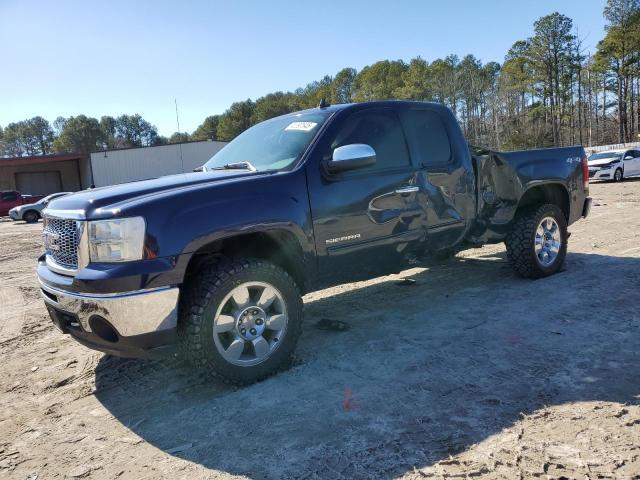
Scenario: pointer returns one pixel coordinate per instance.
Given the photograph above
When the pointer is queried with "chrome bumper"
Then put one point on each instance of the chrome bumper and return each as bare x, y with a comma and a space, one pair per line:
130, 313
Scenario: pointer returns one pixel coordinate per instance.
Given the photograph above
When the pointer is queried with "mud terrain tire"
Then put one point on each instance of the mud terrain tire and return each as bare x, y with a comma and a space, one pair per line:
521, 242
201, 299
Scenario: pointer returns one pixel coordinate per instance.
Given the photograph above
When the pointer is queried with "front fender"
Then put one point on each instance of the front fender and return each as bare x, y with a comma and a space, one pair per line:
179, 223
179, 226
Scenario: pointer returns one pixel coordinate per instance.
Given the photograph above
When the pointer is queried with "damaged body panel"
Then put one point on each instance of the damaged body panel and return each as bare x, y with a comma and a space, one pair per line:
510, 180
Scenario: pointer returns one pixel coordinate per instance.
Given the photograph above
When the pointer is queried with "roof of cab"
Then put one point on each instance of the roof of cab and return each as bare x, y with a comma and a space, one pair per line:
378, 103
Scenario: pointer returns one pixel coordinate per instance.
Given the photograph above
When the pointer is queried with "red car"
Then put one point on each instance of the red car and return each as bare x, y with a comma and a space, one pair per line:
12, 198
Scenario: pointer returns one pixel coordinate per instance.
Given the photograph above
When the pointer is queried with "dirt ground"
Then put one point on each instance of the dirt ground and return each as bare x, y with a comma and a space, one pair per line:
469, 372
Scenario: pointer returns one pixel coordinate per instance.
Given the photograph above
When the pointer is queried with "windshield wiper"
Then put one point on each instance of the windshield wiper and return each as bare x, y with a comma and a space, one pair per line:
237, 166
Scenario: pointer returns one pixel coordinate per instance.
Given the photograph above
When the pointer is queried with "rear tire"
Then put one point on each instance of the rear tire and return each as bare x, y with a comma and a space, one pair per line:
224, 298
31, 216
537, 243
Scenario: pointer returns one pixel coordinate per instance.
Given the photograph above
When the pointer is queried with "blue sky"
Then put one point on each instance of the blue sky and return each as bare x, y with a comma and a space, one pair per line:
113, 57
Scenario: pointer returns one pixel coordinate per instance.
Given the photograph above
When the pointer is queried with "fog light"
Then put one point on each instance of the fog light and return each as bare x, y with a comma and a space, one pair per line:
103, 329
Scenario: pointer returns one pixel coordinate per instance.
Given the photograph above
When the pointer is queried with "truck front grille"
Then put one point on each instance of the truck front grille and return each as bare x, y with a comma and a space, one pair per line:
61, 241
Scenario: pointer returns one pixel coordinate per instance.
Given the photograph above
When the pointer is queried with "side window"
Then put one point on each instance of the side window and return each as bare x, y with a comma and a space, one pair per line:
427, 136
635, 154
9, 197
379, 129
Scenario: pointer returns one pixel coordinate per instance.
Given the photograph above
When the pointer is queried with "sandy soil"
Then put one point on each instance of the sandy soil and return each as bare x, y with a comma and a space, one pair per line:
469, 372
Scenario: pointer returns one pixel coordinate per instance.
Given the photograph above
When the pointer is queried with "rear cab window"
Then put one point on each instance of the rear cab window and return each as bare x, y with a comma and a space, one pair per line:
428, 137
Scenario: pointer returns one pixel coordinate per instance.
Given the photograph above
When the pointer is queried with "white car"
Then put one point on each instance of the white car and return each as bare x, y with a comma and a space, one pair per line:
31, 212
614, 165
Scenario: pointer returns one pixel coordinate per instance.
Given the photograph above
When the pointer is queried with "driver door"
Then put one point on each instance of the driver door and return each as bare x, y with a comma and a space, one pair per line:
366, 222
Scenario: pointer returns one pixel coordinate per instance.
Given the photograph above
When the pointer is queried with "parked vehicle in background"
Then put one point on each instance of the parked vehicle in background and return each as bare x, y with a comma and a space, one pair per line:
216, 261
13, 198
614, 165
31, 212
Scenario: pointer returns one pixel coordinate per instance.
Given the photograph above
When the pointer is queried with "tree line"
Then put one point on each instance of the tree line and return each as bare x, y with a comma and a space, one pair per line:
547, 92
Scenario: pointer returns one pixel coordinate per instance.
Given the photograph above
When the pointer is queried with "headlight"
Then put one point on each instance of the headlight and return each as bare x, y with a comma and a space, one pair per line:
118, 240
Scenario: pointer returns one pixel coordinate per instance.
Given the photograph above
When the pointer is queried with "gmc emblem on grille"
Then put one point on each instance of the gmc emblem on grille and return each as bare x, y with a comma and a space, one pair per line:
49, 241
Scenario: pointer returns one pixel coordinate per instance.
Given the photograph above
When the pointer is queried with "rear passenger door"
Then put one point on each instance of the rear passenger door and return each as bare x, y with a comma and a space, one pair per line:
438, 147
366, 222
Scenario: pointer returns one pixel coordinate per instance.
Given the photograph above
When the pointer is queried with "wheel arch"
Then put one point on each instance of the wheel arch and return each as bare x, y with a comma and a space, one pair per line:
38, 214
279, 246
553, 192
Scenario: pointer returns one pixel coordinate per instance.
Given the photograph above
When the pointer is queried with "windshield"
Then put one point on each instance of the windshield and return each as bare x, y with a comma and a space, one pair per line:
48, 198
275, 144
606, 155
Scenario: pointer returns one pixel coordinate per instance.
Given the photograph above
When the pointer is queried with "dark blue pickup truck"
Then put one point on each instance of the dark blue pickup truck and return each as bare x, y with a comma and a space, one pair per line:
215, 262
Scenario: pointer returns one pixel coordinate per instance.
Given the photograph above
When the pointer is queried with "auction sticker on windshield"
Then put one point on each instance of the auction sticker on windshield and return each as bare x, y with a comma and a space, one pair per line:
301, 126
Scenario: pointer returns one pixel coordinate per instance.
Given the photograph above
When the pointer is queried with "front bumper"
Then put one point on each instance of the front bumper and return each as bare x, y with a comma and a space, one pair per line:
132, 324
597, 173
14, 215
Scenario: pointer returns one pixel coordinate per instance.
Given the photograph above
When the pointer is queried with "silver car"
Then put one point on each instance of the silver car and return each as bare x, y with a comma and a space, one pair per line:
31, 213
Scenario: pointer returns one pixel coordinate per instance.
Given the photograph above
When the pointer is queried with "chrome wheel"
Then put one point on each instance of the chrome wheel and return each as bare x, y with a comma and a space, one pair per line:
250, 323
548, 241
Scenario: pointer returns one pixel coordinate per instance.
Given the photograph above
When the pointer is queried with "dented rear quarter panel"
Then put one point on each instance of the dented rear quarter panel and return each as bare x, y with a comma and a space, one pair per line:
505, 177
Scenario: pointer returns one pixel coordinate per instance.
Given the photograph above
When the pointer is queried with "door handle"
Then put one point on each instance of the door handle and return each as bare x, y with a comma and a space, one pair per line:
407, 189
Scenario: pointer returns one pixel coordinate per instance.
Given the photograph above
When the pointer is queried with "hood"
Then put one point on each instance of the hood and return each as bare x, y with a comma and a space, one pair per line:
102, 202
602, 161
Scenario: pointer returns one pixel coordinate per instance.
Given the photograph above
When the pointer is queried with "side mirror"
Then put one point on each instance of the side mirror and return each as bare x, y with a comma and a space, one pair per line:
351, 157
199, 169
628, 157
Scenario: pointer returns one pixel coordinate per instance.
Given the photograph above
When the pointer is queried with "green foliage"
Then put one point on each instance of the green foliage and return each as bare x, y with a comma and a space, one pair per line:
416, 82
179, 137
343, 86
160, 140
379, 81
235, 120
12, 144
272, 105
27, 137
108, 126
208, 130
620, 12
619, 53
134, 131
80, 134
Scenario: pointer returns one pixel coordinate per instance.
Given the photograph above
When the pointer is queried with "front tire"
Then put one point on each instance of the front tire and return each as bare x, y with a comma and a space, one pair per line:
31, 216
240, 320
618, 175
537, 243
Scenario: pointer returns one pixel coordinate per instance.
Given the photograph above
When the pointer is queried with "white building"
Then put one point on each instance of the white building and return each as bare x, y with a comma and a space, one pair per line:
111, 167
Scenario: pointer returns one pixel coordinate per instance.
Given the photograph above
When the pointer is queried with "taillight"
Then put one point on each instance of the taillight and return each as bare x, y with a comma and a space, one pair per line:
585, 174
